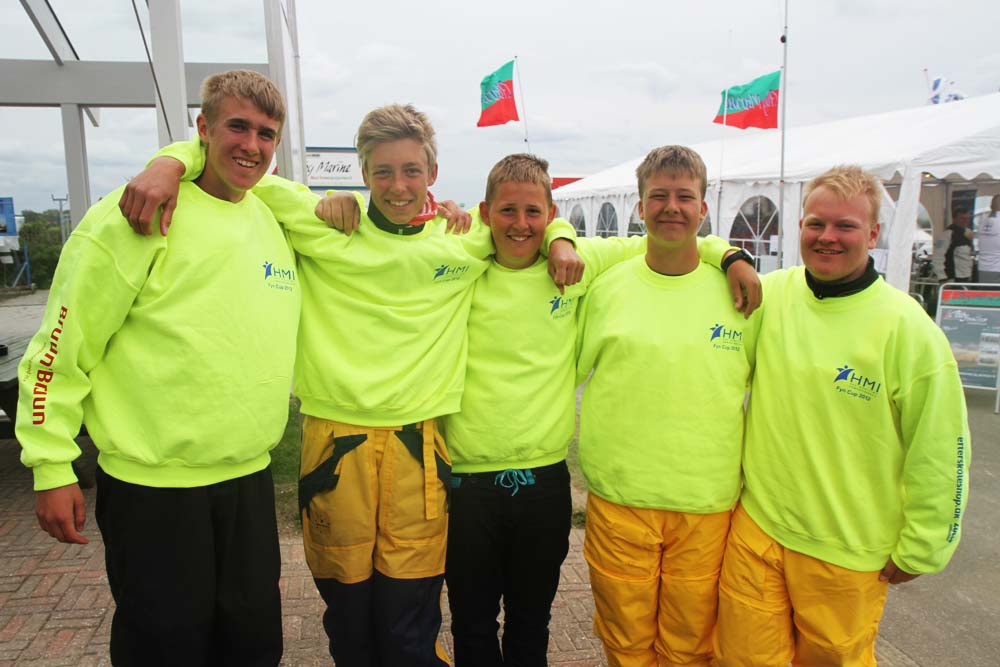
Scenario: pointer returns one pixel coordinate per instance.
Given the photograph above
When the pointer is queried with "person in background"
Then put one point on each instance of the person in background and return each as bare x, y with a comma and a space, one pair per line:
988, 236
958, 265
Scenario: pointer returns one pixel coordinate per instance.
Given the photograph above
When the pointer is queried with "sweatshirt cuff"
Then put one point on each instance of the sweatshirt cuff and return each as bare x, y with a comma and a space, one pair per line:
558, 229
53, 475
908, 567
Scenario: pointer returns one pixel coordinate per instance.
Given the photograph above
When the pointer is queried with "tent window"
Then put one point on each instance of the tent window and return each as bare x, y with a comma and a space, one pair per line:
607, 221
705, 228
578, 220
636, 227
754, 225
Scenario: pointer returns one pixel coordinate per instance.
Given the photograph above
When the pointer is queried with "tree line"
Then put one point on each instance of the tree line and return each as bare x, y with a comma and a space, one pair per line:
40, 231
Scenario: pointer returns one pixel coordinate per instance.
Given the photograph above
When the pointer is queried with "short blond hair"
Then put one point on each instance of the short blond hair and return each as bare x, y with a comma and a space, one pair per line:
848, 181
672, 159
251, 86
519, 168
391, 123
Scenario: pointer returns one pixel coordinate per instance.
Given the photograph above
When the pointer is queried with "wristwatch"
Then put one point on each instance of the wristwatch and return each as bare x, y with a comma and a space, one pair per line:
742, 253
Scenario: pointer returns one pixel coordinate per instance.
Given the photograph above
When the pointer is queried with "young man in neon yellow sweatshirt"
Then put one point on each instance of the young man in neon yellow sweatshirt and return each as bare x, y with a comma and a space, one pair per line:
381, 353
177, 353
661, 427
510, 511
857, 448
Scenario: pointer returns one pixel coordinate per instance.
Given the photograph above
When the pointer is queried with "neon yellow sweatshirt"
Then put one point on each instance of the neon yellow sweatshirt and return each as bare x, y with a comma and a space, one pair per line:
519, 405
661, 423
382, 339
176, 352
857, 444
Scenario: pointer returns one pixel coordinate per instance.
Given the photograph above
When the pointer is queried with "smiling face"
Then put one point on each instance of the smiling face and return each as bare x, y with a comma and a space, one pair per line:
517, 215
398, 175
239, 145
672, 207
836, 235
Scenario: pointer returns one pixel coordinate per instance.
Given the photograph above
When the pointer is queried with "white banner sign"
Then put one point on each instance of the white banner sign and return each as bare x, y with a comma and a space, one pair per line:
333, 168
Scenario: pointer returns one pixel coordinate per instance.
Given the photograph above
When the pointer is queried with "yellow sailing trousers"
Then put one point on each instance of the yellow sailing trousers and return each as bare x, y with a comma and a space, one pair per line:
378, 500
778, 606
654, 575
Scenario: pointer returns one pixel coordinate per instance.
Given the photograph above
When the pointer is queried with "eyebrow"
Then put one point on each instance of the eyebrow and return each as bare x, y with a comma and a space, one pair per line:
661, 189
405, 165
813, 216
249, 123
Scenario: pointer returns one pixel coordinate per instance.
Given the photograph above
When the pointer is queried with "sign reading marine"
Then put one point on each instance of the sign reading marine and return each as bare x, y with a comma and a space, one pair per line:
333, 168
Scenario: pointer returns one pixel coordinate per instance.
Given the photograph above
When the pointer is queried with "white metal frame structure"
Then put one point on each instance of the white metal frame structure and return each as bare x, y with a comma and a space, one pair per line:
81, 87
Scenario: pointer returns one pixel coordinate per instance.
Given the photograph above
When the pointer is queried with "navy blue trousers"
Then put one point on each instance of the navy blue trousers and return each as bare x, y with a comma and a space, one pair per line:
193, 571
506, 546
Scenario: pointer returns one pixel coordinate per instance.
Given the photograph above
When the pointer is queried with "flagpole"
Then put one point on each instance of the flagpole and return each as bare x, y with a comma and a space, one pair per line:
524, 107
722, 151
722, 148
784, 106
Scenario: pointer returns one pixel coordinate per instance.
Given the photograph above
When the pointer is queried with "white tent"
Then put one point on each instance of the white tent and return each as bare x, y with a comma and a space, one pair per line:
924, 155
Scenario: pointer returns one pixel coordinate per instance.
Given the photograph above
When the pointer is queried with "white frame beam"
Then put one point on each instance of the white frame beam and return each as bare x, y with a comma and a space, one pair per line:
56, 40
168, 63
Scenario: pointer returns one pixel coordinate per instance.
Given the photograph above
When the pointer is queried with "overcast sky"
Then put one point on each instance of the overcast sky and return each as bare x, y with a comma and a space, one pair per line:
603, 82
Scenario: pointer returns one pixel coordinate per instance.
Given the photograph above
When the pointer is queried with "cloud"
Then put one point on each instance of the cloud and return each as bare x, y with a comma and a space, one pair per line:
655, 80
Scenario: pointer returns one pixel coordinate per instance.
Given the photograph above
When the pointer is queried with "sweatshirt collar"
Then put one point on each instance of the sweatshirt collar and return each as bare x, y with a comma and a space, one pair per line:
387, 225
827, 290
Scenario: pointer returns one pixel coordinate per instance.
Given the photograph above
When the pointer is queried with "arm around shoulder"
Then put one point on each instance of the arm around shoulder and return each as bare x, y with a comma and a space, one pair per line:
155, 188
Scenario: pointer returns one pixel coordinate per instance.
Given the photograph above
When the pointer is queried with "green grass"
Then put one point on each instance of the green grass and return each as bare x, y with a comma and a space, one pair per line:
285, 457
285, 470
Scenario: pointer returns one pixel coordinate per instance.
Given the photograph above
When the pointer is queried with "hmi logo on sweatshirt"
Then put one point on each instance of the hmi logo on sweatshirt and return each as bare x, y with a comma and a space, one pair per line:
562, 306
447, 273
278, 278
725, 338
851, 383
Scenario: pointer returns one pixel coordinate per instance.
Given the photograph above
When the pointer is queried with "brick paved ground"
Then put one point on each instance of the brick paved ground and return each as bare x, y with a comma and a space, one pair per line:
55, 607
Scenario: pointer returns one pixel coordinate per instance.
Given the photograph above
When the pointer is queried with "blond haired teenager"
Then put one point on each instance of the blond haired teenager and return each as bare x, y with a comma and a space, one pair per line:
661, 427
857, 448
177, 352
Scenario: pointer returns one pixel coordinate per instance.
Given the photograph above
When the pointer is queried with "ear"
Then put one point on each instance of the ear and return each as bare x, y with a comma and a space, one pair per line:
202, 124
801, 220
484, 212
433, 175
364, 176
552, 213
704, 209
873, 235
642, 214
